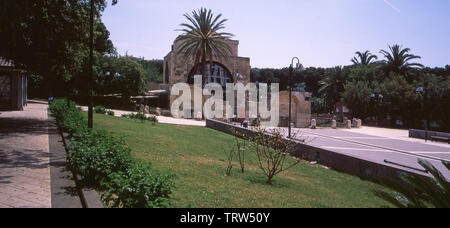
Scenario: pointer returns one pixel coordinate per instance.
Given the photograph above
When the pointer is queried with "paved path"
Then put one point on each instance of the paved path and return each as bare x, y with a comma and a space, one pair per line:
24, 158
381, 146
33, 170
161, 119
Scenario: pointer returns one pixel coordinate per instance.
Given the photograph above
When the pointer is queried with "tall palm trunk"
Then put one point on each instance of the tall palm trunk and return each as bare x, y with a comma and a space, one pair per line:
204, 68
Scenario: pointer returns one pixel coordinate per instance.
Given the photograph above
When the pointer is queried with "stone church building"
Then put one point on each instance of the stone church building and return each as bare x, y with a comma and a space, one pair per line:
178, 68
235, 69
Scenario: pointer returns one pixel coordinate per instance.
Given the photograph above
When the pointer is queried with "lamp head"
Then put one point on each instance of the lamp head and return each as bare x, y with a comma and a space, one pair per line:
300, 67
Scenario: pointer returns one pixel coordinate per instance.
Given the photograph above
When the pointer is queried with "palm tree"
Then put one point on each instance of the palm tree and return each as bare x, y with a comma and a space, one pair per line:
202, 38
365, 58
397, 60
333, 85
421, 192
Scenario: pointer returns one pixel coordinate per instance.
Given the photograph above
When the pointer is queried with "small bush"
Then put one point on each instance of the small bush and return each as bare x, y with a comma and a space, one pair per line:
110, 113
100, 110
142, 117
96, 154
70, 119
153, 119
140, 186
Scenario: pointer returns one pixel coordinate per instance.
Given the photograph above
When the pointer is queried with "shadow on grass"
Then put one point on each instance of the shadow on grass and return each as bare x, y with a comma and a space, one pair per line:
258, 178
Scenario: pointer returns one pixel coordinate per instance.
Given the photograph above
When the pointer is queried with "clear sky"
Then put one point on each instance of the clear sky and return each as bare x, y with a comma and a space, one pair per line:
322, 33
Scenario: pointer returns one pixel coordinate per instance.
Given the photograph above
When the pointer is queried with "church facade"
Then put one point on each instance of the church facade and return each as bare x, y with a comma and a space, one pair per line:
180, 69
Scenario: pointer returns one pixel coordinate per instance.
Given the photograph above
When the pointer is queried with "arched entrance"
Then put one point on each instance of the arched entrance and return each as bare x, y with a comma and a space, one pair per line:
217, 73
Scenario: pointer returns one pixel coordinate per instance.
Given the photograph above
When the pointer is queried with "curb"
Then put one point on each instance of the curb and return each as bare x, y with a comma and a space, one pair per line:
89, 197
64, 193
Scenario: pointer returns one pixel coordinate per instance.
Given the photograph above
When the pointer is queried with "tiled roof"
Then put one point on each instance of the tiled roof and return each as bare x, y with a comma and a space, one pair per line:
6, 63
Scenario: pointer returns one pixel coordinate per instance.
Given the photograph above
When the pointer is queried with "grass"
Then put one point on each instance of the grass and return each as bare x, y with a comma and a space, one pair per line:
195, 155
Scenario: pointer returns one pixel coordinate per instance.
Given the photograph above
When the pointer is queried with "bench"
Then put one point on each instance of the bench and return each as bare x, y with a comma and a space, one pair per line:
440, 138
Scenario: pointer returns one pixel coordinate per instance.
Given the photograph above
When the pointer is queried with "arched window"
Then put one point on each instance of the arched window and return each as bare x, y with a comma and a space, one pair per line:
215, 74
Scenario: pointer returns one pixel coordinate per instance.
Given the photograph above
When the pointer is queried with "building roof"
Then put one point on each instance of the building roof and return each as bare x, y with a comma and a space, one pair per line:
6, 63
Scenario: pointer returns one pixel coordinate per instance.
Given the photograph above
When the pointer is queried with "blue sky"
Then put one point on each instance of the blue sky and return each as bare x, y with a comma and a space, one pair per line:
322, 33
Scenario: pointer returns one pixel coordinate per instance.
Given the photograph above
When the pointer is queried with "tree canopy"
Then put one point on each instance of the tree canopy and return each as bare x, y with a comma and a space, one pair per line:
50, 37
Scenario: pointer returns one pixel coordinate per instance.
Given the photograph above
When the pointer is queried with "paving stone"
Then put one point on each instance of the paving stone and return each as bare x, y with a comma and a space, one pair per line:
24, 158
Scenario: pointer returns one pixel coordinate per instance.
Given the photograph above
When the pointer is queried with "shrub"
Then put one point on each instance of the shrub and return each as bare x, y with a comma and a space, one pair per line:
274, 153
100, 110
70, 119
96, 154
153, 119
110, 113
142, 117
241, 147
140, 186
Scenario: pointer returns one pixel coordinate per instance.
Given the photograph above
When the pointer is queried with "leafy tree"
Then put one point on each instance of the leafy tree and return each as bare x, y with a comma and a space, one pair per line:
319, 106
265, 75
202, 38
435, 105
371, 74
365, 58
311, 77
357, 98
398, 60
153, 69
421, 192
400, 99
46, 37
122, 75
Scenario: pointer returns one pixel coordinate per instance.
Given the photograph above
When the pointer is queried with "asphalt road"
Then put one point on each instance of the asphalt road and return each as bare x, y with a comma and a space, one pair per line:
394, 152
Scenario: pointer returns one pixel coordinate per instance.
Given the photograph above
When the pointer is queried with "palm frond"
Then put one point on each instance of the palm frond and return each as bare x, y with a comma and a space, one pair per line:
421, 192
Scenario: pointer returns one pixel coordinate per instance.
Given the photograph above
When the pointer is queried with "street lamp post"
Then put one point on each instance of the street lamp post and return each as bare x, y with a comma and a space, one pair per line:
291, 70
377, 98
91, 65
423, 92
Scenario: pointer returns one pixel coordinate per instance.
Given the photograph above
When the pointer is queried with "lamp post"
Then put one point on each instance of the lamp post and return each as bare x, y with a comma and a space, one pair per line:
377, 98
423, 92
291, 70
91, 65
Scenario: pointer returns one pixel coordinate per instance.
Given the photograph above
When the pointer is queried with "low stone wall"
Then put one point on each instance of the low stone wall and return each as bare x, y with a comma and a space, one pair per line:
420, 134
340, 162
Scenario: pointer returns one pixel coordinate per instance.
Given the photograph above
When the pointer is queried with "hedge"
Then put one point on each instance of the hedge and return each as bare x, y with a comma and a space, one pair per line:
106, 164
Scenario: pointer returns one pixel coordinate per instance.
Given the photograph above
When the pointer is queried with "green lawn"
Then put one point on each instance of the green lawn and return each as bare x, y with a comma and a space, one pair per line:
195, 155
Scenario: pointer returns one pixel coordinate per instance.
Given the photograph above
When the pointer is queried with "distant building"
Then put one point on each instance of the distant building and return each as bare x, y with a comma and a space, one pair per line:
235, 69
13, 86
178, 68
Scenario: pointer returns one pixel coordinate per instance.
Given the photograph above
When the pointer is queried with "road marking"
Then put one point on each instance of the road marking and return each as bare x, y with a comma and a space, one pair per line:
360, 137
350, 148
428, 152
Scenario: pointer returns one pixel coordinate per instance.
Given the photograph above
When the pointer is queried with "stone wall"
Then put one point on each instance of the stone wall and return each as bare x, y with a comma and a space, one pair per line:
300, 109
5, 91
420, 134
